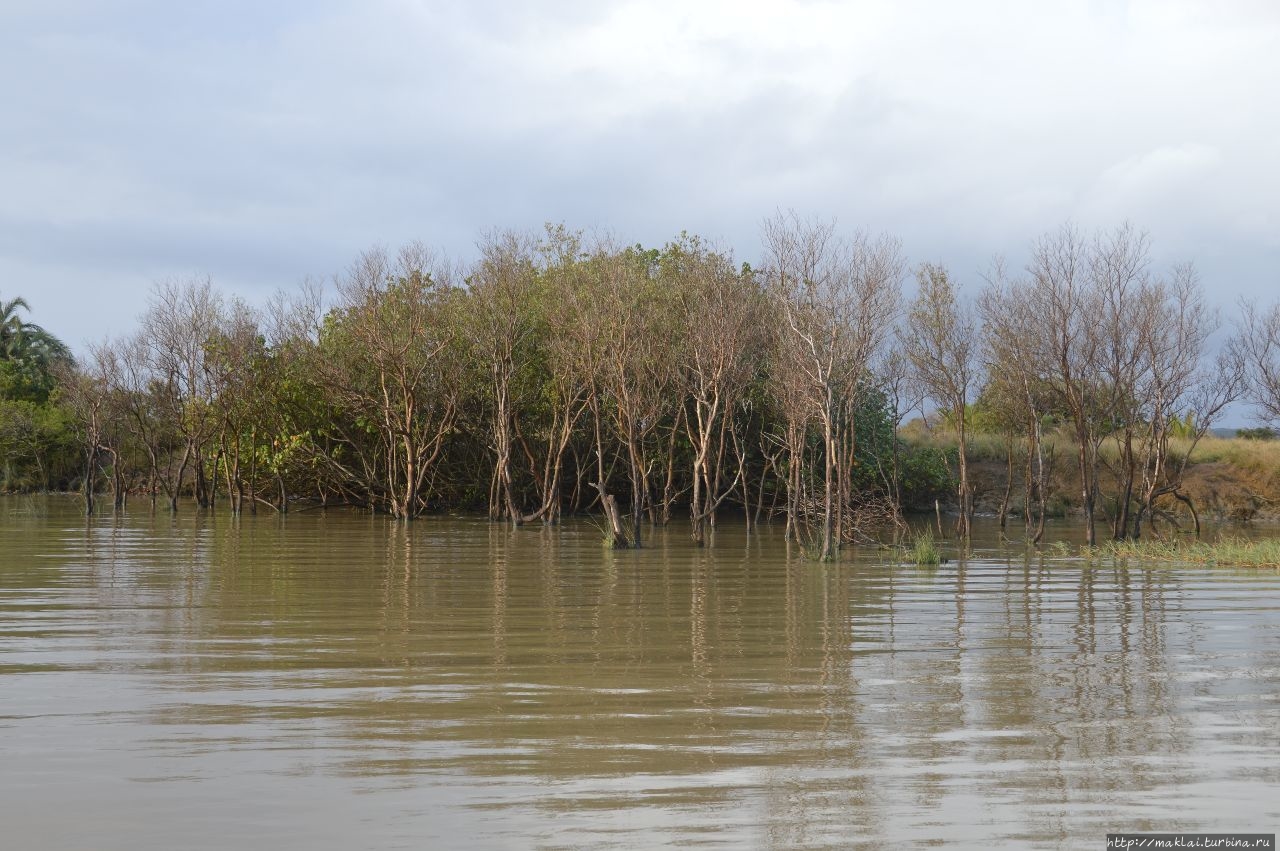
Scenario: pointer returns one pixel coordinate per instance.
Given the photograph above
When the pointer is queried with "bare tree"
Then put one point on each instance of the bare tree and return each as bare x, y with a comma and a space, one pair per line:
1019, 384
1179, 388
1257, 345
160, 379
837, 300
1125, 305
181, 320
1083, 296
1064, 309
578, 341
87, 392
393, 362
637, 367
235, 364
941, 341
502, 291
896, 380
718, 322
1119, 351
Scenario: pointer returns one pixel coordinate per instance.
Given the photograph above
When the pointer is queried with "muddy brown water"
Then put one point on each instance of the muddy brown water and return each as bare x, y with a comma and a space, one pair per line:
344, 681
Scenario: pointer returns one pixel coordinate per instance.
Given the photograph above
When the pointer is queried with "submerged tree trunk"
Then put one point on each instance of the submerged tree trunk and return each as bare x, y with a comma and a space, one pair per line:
90, 479
964, 523
1008, 483
613, 517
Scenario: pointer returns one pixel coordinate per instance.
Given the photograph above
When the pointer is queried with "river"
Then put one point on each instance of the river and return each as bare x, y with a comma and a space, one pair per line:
335, 680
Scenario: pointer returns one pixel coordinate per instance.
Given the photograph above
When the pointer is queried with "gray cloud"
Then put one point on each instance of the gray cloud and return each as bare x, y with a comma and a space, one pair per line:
264, 142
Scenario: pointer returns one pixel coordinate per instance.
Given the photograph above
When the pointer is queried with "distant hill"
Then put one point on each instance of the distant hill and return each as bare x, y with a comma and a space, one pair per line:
1255, 433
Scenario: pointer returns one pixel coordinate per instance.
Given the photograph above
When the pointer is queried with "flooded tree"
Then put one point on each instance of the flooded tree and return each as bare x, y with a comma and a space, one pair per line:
390, 359
637, 366
502, 324
836, 299
1090, 332
941, 341
88, 392
718, 321
235, 354
1181, 393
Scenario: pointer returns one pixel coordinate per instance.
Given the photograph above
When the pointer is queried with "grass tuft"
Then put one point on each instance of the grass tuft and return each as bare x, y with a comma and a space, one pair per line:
606, 533
924, 549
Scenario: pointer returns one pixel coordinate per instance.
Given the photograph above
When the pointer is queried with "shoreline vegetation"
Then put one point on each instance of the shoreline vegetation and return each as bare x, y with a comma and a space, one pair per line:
1226, 552
563, 374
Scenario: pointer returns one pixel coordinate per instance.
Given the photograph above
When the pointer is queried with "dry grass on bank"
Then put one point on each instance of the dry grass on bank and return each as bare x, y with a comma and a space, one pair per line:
1255, 455
1229, 479
986, 446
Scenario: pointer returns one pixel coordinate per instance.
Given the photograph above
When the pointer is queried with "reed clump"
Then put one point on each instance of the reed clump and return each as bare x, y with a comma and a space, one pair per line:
924, 549
1227, 552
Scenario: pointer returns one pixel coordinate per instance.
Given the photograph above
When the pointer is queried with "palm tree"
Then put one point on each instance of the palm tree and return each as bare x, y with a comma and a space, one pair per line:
30, 357
26, 341
10, 323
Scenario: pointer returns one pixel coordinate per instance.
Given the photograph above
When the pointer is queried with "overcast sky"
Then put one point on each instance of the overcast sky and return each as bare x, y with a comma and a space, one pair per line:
261, 142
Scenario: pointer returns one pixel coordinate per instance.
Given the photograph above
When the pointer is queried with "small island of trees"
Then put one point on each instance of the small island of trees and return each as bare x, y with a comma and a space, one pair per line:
559, 374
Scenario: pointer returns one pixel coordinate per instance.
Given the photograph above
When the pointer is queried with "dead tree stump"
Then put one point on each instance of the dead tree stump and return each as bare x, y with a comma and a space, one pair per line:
617, 532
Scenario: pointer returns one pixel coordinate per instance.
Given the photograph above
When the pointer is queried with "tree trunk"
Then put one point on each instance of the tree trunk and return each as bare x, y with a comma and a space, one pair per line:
617, 532
1008, 484
90, 479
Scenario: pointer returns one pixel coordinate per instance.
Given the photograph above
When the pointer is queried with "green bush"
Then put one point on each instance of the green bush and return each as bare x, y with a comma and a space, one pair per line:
38, 447
926, 476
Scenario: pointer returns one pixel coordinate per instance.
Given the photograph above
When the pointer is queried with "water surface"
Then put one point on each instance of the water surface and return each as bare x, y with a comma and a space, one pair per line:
344, 681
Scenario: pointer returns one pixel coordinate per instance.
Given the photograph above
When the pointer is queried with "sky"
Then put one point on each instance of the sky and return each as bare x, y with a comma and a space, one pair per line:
264, 143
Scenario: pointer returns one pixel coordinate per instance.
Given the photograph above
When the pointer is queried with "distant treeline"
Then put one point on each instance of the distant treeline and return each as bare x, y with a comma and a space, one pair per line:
564, 374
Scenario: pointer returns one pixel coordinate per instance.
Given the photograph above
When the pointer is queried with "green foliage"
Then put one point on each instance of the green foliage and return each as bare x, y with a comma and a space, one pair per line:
875, 432
26, 380
926, 475
1260, 433
29, 356
37, 439
38, 447
1002, 408
1183, 427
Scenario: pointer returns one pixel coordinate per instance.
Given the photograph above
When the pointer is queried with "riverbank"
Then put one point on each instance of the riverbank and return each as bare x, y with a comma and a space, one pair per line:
1229, 480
